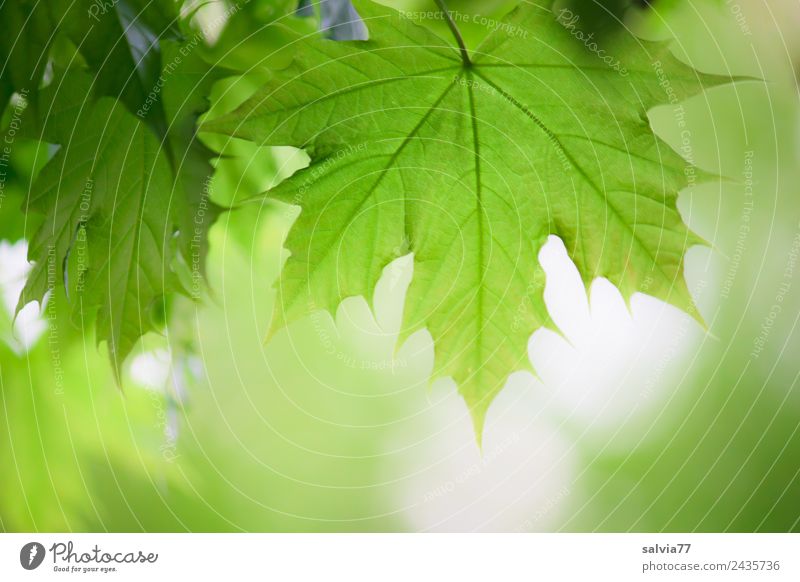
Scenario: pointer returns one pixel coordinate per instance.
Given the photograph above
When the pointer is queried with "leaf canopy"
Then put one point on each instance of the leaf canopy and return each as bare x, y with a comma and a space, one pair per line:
116, 89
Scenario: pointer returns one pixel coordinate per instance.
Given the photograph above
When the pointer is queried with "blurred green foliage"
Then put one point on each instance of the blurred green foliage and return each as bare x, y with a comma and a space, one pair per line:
296, 436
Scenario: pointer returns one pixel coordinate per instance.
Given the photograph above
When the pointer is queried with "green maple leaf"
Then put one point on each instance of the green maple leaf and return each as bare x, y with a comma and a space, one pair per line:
105, 199
125, 199
470, 161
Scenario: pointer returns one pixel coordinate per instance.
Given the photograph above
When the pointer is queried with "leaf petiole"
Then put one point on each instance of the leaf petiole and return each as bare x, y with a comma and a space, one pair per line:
456, 33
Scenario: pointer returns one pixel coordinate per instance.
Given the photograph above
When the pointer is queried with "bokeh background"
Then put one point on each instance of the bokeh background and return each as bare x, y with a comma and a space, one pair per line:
642, 419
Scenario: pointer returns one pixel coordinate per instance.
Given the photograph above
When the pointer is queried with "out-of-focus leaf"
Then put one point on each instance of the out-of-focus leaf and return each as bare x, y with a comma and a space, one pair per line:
103, 199
119, 199
118, 41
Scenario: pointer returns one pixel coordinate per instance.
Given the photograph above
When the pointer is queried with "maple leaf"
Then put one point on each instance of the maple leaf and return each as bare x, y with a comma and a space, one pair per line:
129, 180
470, 160
105, 210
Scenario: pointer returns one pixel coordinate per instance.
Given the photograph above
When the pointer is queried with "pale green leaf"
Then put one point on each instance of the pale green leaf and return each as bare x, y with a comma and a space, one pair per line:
471, 167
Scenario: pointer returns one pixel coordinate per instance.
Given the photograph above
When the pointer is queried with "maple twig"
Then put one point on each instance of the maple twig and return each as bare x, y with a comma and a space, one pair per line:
457, 33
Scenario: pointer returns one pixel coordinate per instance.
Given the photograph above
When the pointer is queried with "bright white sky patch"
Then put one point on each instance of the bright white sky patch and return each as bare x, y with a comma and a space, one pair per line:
612, 364
14, 267
152, 369
607, 373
